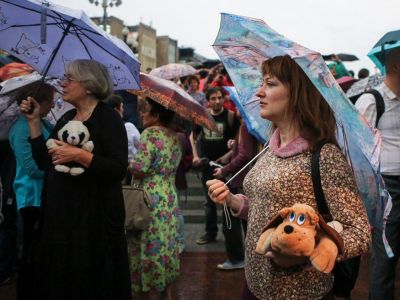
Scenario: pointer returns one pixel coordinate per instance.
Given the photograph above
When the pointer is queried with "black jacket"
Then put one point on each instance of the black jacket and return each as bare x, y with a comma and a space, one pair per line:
82, 252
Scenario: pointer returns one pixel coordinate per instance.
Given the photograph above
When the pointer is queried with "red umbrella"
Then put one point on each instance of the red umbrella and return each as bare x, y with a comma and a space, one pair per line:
173, 97
346, 82
14, 69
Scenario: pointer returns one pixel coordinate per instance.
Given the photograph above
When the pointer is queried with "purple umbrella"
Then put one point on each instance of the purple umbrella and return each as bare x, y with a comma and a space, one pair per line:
48, 36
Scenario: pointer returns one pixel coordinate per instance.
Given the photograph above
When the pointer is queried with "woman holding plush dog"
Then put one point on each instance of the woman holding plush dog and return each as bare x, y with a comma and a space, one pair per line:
82, 251
282, 177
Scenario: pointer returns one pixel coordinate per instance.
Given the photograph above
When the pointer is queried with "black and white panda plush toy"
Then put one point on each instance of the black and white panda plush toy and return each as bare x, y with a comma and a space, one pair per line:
74, 133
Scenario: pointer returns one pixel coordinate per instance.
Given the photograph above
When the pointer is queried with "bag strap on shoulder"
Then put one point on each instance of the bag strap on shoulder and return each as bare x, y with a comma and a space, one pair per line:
380, 104
316, 180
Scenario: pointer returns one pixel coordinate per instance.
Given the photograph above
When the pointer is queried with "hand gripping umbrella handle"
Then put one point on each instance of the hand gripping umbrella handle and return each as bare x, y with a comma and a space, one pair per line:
227, 216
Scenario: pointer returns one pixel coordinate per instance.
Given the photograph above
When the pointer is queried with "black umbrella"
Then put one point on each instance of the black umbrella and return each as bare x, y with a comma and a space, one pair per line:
342, 57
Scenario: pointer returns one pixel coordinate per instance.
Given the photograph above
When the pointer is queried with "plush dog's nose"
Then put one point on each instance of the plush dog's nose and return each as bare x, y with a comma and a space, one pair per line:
72, 137
288, 229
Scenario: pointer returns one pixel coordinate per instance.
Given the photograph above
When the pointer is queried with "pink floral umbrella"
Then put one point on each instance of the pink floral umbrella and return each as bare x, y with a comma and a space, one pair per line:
173, 97
172, 71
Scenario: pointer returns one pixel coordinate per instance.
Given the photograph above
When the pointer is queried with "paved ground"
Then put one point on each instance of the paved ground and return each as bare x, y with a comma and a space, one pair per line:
193, 232
201, 280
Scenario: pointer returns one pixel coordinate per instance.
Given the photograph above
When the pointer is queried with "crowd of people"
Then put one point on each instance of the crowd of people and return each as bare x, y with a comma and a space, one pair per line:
75, 245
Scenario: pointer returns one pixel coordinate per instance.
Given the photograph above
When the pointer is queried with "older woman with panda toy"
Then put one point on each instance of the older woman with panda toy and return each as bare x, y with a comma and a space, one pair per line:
82, 251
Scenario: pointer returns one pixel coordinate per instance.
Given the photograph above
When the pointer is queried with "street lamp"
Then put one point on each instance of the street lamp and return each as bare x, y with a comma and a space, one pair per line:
130, 38
105, 4
125, 32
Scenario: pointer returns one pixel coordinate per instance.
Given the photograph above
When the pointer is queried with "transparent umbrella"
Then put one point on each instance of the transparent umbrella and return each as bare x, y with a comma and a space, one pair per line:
243, 43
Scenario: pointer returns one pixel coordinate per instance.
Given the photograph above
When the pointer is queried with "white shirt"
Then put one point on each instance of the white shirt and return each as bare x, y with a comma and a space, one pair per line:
133, 139
389, 125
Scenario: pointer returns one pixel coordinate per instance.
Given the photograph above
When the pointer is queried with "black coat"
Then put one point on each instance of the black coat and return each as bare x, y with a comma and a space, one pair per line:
82, 252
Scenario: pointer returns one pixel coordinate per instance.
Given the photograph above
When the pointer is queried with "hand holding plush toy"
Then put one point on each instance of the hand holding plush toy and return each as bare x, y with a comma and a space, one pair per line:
76, 134
300, 231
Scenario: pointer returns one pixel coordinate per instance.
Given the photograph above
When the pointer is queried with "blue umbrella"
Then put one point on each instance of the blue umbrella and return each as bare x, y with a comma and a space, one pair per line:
250, 112
48, 36
244, 43
389, 41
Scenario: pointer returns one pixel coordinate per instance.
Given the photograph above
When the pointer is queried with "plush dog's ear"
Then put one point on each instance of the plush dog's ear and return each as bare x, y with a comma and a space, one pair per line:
332, 233
278, 219
285, 211
273, 223
314, 218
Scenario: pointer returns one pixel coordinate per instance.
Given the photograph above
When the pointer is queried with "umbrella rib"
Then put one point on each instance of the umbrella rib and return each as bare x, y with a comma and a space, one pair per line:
36, 11
58, 15
53, 55
101, 47
28, 25
83, 44
77, 25
20, 6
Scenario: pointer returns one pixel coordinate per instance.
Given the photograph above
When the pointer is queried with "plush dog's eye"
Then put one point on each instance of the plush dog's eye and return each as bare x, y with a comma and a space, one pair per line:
301, 219
292, 216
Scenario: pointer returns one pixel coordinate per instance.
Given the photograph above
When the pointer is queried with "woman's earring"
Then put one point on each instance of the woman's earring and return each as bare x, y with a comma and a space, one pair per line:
88, 92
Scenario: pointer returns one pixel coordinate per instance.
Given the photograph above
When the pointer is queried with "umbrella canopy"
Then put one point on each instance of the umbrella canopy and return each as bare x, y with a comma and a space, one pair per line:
173, 97
346, 82
15, 83
389, 41
172, 71
14, 69
362, 85
341, 56
244, 43
250, 112
10, 113
48, 36
9, 109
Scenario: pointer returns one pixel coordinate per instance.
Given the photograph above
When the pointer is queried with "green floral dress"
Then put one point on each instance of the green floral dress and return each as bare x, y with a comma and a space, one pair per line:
154, 256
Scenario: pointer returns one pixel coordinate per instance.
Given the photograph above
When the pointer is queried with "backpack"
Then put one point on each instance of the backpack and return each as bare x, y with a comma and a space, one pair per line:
380, 104
345, 272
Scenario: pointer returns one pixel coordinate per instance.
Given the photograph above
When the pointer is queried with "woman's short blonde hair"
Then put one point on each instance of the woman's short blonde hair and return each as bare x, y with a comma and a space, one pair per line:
93, 76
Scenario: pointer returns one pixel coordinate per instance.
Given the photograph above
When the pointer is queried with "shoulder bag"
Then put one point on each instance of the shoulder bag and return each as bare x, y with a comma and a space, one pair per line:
344, 272
137, 206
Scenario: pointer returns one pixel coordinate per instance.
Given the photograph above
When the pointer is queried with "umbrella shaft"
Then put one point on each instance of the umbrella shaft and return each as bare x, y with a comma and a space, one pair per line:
242, 169
53, 55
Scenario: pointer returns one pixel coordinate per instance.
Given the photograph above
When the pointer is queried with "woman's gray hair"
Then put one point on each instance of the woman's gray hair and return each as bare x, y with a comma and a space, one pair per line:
93, 76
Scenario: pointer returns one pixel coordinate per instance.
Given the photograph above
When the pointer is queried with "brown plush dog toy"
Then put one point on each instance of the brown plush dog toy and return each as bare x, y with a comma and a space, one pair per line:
300, 231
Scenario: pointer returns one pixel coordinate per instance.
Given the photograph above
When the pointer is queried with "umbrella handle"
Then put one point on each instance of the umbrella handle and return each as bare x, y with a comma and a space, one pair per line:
226, 209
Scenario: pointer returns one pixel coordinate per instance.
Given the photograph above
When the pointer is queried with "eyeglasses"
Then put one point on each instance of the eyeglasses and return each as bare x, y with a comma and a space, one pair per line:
67, 78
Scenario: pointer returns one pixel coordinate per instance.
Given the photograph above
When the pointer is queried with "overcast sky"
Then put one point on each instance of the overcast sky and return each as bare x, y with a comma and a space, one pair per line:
340, 26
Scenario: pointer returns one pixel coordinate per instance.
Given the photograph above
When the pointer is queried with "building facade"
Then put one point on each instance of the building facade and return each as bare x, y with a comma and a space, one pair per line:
114, 25
147, 45
167, 50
